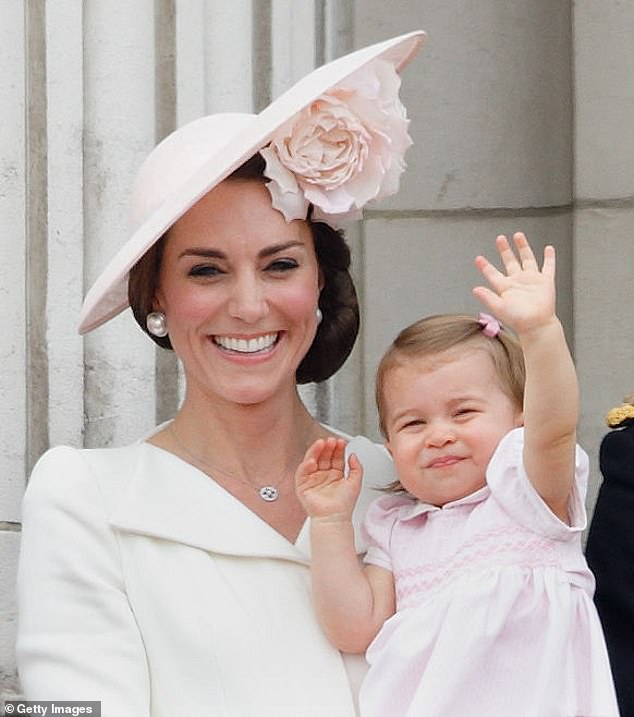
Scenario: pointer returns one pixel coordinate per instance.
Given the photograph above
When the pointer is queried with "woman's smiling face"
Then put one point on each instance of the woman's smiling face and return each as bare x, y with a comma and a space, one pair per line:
239, 287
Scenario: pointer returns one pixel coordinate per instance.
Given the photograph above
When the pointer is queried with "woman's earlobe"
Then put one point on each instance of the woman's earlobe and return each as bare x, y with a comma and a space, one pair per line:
157, 303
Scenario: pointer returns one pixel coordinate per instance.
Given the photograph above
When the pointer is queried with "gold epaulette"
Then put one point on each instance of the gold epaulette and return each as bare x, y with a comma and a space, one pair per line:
621, 413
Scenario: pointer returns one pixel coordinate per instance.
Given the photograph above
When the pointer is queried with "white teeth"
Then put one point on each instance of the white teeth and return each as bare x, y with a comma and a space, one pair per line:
246, 346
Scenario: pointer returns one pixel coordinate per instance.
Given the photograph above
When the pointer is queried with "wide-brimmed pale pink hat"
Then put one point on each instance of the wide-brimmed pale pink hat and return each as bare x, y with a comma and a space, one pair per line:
334, 140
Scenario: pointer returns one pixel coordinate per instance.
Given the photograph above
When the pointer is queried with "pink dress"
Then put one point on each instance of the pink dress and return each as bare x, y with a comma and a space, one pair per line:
494, 604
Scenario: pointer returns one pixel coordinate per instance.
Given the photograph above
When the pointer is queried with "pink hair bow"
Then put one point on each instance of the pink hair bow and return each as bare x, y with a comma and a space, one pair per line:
490, 325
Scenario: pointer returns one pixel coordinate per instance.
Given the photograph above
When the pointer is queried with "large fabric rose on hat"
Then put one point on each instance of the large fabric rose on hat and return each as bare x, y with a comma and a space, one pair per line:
343, 150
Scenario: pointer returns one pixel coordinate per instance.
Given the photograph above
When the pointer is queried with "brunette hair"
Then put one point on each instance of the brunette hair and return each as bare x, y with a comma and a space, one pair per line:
436, 334
339, 327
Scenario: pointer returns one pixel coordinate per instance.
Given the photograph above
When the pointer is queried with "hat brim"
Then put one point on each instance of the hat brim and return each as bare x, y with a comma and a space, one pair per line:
108, 295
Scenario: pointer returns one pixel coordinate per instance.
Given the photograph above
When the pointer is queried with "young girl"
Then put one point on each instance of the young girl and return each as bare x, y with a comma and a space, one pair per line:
476, 599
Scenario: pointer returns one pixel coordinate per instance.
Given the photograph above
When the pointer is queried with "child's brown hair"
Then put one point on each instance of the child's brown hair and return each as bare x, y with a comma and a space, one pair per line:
436, 334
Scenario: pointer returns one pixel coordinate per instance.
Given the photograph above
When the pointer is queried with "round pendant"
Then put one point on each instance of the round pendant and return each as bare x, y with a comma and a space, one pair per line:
268, 493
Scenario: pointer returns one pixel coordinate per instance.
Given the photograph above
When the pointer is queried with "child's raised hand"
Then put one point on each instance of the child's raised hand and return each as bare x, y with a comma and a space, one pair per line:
321, 487
524, 296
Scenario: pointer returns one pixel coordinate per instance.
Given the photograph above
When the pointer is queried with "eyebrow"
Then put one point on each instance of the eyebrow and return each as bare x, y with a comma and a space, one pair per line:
466, 398
217, 254
452, 403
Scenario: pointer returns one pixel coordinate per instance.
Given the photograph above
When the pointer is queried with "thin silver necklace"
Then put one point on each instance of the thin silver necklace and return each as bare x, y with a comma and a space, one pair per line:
268, 493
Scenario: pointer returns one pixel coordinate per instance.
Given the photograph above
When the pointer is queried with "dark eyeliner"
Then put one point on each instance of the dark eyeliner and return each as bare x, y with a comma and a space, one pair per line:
204, 270
283, 265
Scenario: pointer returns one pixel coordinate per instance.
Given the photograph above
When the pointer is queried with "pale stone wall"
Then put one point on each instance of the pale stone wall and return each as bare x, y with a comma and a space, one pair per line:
603, 228
521, 117
490, 101
14, 373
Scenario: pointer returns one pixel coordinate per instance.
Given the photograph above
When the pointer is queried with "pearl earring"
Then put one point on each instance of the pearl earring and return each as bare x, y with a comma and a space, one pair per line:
156, 324
318, 315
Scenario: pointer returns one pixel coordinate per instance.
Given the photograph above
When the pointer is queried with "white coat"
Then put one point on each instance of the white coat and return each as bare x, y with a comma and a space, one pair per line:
145, 585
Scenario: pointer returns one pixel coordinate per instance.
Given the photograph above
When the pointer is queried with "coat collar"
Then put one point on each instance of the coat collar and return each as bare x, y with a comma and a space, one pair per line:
167, 498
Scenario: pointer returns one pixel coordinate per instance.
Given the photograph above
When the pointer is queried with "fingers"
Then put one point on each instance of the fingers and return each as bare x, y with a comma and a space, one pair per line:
522, 258
520, 294
332, 454
323, 463
320, 485
356, 469
327, 453
507, 255
517, 258
489, 298
548, 267
495, 278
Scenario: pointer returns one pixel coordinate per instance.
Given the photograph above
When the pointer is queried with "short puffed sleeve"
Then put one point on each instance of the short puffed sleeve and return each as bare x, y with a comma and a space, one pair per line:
378, 527
511, 487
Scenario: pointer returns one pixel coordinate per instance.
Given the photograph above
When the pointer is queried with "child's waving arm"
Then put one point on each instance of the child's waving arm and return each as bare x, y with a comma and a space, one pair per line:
524, 298
352, 602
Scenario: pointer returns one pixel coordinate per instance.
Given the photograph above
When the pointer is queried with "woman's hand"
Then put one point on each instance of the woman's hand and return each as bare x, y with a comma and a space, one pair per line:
322, 488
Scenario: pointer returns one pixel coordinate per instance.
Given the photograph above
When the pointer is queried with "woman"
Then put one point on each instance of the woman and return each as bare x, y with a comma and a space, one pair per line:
170, 577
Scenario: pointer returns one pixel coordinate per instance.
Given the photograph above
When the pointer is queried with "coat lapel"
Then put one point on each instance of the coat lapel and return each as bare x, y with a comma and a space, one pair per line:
164, 497
169, 499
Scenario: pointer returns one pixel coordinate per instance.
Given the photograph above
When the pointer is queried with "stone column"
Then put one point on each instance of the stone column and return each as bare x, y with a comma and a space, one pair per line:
119, 130
13, 346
